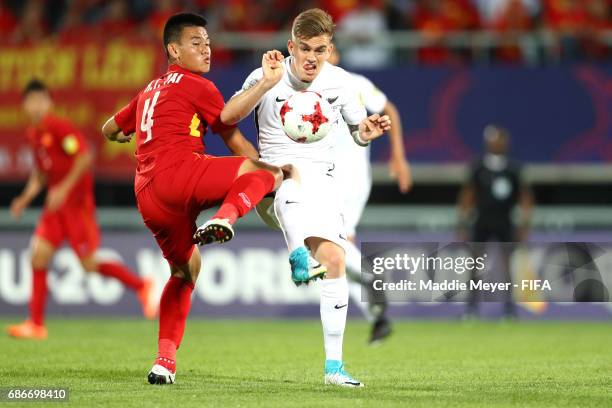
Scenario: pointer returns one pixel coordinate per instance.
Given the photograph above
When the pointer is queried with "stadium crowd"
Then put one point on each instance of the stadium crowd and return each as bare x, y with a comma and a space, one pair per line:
579, 29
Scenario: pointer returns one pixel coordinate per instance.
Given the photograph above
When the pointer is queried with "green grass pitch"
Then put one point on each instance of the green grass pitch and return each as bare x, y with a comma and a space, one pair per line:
268, 363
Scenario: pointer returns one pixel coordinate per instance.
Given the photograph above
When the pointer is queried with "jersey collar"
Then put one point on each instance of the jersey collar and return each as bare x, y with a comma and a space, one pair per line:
178, 68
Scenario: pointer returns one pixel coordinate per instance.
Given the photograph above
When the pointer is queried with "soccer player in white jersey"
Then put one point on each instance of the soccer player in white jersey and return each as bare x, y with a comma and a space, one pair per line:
353, 173
310, 211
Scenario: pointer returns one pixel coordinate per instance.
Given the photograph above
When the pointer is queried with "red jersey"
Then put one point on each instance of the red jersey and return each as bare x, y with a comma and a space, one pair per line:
170, 116
56, 143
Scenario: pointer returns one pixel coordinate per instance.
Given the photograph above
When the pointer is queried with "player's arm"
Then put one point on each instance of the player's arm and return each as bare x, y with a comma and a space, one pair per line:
242, 104
57, 195
121, 126
363, 128
466, 202
33, 187
399, 168
370, 128
113, 132
238, 144
526, 203
465, 208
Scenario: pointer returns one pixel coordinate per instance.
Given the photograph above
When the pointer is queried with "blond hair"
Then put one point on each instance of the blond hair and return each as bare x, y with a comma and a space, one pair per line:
313, 23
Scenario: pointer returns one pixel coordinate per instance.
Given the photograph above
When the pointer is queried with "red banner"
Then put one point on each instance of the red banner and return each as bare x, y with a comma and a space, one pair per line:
88, 82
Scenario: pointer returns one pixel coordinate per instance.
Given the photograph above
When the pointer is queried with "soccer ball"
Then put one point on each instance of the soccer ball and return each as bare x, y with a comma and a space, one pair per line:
306, 117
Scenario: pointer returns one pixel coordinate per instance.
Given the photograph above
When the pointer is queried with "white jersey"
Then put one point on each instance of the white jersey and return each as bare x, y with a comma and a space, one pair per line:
374, 101
334, 84
353, 162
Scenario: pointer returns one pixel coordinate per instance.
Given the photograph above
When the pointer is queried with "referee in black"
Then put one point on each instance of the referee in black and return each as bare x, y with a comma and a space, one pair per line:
486, 203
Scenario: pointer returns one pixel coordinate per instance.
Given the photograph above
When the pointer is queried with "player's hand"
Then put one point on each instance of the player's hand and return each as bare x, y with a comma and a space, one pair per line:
373, 127
55, 198
273, 67
399, 169
119, 137
18, 205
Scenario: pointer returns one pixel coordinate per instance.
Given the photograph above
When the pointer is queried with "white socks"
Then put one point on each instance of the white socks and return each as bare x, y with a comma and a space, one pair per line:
334, 305
353, 271
288, 208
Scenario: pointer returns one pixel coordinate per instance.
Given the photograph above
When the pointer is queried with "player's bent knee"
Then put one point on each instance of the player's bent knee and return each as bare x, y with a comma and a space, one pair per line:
40, 260
290, 172
40, 263
190, 270
278, 176
42, 252
249, 166
335, 265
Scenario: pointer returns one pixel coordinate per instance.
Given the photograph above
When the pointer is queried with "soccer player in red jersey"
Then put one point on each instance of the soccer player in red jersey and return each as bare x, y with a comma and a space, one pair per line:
63, 163
175, 180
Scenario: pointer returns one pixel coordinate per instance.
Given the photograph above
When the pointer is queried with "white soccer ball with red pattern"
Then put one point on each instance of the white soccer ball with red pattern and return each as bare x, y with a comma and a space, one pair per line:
306, 117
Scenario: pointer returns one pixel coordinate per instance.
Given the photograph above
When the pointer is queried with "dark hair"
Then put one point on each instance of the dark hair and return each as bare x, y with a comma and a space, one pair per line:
34, 85
175, 24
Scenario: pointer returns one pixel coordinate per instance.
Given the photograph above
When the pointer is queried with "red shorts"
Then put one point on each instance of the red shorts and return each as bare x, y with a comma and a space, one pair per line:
77, 224
171, 202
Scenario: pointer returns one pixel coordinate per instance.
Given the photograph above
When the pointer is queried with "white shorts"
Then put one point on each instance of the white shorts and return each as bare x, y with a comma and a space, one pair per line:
321, 203
354, 177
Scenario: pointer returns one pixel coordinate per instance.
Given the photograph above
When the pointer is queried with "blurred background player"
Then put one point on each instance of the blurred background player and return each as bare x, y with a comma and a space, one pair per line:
175, 180
354, 176
63, 163
319, 221
495, 186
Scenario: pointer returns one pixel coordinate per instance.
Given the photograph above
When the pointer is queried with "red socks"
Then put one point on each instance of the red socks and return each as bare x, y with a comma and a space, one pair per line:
39, 286
229, 211
245, 193
173, 310
121, 273
39, 296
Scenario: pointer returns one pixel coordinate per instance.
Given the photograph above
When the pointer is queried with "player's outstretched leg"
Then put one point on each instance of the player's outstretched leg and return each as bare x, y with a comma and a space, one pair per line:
334, 307
376, 306
174, 308
288, 209
143, 287
257, 180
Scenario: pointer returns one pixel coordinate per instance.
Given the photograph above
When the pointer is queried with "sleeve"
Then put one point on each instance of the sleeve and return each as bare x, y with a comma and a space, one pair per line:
70, 138
210, 103
372, 98
250, 81
352, 109
126, 117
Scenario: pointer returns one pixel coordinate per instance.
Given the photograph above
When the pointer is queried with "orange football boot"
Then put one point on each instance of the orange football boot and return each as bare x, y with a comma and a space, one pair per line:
147, 298
27, 330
